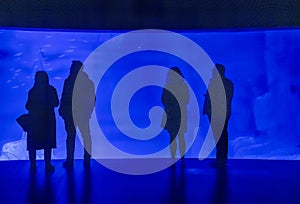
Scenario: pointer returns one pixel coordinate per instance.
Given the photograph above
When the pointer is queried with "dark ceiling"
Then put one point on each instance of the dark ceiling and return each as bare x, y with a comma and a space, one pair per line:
138, 14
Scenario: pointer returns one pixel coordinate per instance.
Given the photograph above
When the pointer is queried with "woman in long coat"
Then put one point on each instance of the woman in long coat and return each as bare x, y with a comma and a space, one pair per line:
42, 99
175, 104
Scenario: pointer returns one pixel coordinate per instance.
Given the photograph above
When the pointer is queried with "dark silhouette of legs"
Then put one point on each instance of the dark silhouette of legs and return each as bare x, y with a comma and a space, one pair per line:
87, 140
182, 145
70, 143
84, 128
47, 156
173, 144
222, 145
32, 159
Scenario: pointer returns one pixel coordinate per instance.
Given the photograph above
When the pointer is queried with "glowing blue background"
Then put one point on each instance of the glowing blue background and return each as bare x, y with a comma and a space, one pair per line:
263, 65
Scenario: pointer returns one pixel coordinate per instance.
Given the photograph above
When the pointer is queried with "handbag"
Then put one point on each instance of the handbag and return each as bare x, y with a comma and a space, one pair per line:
24, 121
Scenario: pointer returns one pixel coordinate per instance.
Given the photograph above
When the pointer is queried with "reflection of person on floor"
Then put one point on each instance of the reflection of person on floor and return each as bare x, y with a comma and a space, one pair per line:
175, 98
76, 109
42, 99
222, 144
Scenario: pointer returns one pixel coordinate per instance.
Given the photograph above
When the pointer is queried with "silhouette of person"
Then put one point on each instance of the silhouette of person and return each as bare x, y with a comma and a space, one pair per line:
42, 99
76, 109
175, 104
222, 143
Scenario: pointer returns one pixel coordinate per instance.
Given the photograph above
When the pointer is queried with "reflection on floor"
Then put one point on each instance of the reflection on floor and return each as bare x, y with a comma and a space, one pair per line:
241, 181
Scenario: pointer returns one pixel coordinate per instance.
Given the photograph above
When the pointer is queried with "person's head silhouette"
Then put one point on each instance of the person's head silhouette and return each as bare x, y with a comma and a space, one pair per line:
75, 67
221, 69
173, 75
41, 79
177, 70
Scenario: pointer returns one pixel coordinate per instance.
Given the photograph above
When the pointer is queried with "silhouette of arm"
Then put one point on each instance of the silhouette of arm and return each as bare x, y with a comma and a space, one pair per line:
54, 98
29, 104
186, 94
206, 105
165, 99
64, 100
229, 96
90, 97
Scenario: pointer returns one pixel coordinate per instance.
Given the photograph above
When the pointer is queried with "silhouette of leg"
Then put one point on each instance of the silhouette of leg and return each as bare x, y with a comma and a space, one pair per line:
222, 145
173, 144
47, 156
70, 142
182, 145
32, 158
87, 140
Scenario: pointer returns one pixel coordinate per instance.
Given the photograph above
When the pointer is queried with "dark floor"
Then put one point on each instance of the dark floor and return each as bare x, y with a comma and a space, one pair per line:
242, 181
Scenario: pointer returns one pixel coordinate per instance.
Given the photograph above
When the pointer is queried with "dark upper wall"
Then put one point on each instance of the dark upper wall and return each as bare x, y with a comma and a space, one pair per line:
138, 14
